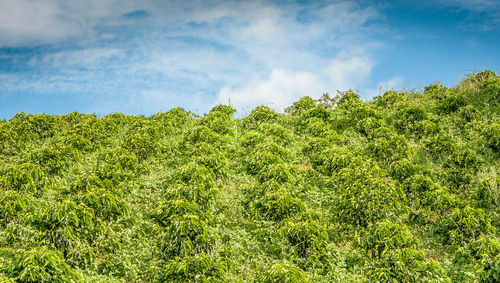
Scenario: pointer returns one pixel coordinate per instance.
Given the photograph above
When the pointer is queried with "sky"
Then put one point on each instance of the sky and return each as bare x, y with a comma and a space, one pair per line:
149, 56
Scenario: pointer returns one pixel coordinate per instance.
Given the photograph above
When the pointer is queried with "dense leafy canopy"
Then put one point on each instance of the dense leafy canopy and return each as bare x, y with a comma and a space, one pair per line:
403, 188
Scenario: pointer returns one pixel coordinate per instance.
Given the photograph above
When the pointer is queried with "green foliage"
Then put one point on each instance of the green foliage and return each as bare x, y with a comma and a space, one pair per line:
219, 119
23, 177
491, 134
404, 188
396, 254
283, 273
40, 265
51, 159
279, 204
304, 104
12, 206
465, 224
362, 196
186, 235
308, 239
197, 268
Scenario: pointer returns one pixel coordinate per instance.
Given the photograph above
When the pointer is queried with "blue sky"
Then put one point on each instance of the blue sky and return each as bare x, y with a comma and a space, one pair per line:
141, 57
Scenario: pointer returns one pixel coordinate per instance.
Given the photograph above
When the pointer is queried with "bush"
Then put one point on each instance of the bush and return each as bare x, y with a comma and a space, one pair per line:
363, 196
279, 204
194, 174
417, 185
465, 224
220, 119
107, 204
199, 195
308, 239
28, 126
332, 159
142, 145
198, 268
13, 206
26, 177
406, 116
282, 273
491, 136
65, 221
260, 115
389, 149
186, 235
302, 105
403, 169
279, 172
491, 270
51, 159
396, 255
484, 247
40, 264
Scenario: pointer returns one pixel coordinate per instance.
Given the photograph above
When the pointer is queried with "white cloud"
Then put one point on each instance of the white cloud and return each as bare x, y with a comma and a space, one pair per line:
28, 22
279, 90
93, 57
190, 52
348, 71
284, 87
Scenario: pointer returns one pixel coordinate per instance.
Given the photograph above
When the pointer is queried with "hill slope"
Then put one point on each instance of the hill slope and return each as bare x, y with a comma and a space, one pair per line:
402, 188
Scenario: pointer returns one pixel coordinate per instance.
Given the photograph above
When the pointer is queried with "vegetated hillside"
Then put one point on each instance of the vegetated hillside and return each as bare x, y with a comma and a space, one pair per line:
403, 188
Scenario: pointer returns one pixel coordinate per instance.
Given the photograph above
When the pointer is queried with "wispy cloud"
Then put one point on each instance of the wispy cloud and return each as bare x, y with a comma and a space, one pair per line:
151, 55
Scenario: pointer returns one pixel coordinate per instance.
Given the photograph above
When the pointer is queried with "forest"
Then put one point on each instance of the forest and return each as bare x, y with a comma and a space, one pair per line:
404, 187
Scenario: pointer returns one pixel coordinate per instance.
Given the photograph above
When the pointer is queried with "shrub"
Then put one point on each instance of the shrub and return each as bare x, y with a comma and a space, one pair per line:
389, 98
396, 255
142, 145
302, 105
254, 163
389, 149
51, 159
363, 196
406, 116
197, 268
470, 113
484, 247
491, 135
41, 264
425, 128
282, 273
106, 204
194, 174
175, 118
199, 195
279, 172
308, 239
333, 159
348, 99
198, 134
465, 224
491, 270
220, 119
28, 126
417, 186
278, 133
13, 206
26, 177
167, 211
63, 221
259, 115
186, 235
403, 169
279, 204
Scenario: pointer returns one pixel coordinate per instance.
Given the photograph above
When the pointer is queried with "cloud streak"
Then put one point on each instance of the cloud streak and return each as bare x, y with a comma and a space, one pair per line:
130, 53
